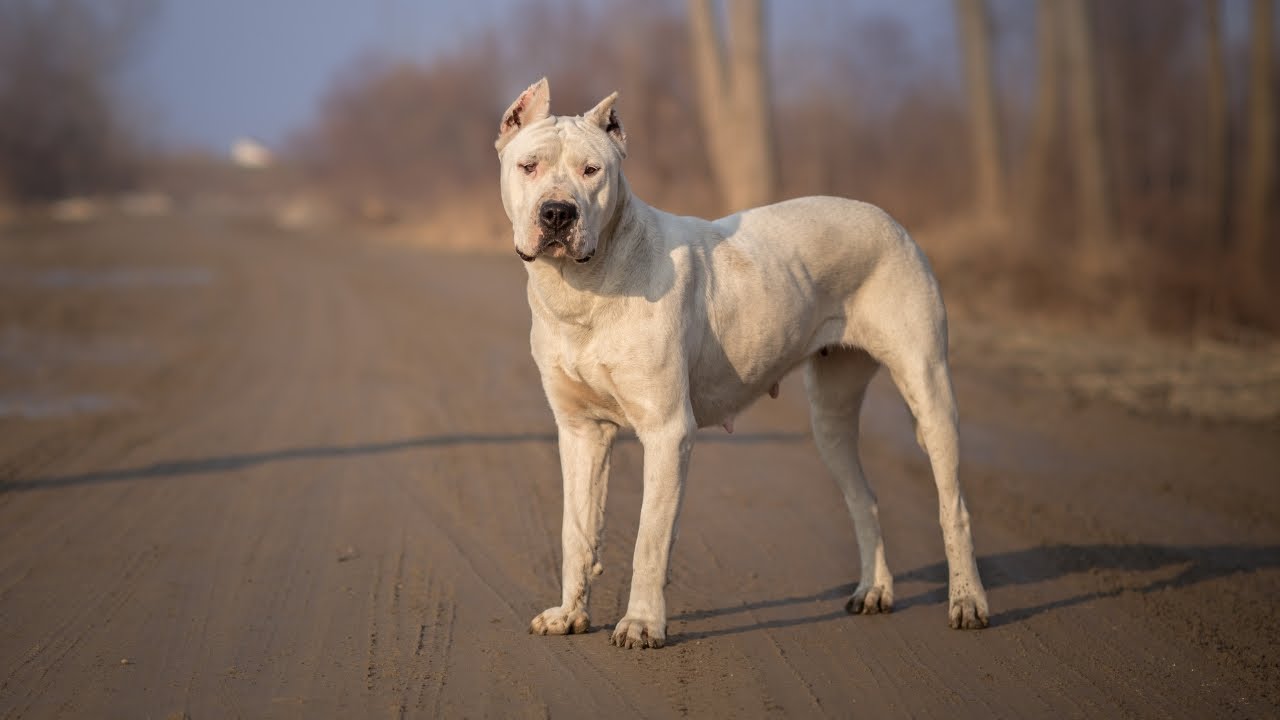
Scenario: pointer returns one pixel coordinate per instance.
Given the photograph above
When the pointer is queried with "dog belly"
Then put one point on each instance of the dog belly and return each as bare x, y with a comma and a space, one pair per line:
768, 306
724, 383
719, 404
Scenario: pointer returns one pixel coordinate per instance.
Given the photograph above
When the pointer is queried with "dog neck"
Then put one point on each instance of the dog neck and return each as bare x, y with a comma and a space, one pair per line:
563, 290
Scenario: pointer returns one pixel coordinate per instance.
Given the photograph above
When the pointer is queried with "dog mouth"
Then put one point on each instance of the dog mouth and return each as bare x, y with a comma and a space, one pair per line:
556, 247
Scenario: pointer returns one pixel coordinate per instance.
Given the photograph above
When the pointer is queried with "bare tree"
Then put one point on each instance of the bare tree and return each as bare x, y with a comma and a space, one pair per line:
984, 130
1217, 140
733, 98
1045, 118
1259, 183
1093, 192
62, 128
380, 120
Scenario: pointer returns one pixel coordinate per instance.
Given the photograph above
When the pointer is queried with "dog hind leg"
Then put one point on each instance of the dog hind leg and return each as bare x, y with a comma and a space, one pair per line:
925, 384
837, 382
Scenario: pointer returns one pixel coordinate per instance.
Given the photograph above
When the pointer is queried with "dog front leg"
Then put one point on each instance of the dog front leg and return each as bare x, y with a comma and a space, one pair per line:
584, 462
666, 461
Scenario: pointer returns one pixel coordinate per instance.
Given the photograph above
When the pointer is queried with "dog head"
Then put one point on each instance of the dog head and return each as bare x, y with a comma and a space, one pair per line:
560, 175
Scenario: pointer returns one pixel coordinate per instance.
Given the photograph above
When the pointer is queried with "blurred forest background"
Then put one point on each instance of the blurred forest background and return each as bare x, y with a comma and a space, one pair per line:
1080, 159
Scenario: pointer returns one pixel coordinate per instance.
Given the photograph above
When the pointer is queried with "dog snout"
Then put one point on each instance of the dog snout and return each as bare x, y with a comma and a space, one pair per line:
556, 215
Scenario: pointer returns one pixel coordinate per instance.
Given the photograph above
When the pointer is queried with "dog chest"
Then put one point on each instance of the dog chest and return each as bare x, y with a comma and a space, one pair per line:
577, 380
587, 394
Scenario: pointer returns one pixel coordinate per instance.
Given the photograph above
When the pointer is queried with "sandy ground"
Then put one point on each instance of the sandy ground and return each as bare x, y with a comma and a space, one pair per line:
251, 474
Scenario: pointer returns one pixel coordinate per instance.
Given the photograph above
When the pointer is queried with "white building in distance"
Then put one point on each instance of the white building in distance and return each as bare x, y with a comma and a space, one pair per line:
251, 154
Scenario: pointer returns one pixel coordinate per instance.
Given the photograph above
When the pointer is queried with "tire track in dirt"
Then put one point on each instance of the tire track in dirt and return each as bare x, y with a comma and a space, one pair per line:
96, 611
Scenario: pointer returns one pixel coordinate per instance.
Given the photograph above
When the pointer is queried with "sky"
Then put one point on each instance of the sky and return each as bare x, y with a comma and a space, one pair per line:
210, 71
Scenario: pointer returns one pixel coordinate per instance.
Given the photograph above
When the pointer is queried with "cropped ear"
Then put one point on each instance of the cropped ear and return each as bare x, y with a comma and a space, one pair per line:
533, 105
606, 118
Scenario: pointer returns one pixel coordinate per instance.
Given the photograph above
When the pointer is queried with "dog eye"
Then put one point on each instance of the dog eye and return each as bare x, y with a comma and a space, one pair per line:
590, 170
528, 168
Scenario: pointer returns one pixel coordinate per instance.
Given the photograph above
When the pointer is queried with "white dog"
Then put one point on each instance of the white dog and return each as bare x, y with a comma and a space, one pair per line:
666, 324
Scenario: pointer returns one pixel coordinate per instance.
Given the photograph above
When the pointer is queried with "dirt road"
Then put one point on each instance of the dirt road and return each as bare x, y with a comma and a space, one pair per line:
251, 474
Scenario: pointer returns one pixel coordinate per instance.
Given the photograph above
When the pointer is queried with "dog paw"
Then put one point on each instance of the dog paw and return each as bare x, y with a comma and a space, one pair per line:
559, 621
870, 600
968, 612
637, 633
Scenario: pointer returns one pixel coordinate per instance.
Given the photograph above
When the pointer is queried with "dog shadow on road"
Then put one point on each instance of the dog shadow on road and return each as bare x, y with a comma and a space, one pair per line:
1133, 564
1127, 568
835, 595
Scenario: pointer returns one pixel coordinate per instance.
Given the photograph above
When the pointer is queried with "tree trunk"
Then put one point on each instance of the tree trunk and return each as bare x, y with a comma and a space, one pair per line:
1092, 183
733, 94
1045, 123
1259, 182
984, 124
1216, 128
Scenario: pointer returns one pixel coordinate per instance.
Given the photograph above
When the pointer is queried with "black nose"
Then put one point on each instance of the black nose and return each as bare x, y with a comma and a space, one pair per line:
557, 215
